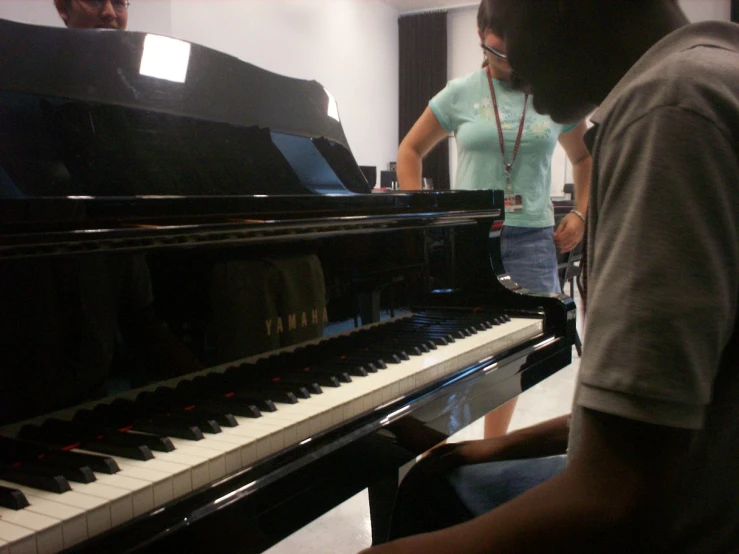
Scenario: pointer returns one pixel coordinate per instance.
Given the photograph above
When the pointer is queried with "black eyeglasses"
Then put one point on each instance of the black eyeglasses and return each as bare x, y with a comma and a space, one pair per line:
495, 52
119, 6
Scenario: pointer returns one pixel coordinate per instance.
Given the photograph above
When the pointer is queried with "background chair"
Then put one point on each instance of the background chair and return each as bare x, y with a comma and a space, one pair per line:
568, 263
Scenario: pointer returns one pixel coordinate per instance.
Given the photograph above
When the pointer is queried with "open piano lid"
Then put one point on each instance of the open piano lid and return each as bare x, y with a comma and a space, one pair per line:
100, 113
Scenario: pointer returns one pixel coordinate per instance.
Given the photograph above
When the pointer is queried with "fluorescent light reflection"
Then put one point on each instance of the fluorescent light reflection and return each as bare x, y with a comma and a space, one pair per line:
165, 58
333, 107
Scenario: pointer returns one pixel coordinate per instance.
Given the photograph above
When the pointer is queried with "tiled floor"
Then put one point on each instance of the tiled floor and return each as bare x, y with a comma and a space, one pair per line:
346, 529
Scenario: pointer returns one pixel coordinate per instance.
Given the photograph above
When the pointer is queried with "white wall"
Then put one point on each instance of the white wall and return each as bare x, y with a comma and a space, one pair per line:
150, 16
464, 56
349, 46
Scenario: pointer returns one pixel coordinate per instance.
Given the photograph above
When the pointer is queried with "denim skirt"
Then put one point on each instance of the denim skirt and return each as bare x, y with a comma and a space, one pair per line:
530, 257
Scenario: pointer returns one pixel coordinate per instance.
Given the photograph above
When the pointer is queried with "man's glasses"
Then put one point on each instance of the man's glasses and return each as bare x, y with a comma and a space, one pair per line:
119, 6
495, 52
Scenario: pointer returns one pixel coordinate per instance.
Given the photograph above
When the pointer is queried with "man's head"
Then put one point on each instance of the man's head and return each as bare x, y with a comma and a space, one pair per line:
572, 52
93, 14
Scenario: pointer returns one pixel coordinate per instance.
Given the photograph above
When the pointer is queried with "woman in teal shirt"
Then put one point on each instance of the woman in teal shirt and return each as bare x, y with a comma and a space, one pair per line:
480, 109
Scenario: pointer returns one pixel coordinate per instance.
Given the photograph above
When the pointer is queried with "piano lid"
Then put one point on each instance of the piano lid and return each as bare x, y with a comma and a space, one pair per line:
100, 113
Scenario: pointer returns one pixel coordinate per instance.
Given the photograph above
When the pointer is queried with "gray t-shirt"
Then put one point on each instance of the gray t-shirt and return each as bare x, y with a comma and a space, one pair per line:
661, 334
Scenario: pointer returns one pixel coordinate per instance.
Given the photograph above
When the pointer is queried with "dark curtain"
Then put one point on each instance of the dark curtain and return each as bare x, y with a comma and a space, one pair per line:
423, 73
735, 11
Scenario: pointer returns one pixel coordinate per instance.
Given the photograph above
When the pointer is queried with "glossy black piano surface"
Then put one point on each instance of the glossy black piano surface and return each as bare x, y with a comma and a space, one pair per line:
179, 296
83, 105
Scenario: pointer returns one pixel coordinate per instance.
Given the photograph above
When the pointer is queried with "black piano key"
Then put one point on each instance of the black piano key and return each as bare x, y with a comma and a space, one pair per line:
275, 394
100, 464
222, 417
392, 356
340, 374
358, 371
377, 361
152, 441
165, 426
42, 478
454, 331
349, 366
236, 408
413, 349
264, 404
174, 405
16, 451
205, 424
310, 384
43, 435
73, 472
136, 451
12, 498
119, 415
440, 338
298, 391
310, 379
98, 439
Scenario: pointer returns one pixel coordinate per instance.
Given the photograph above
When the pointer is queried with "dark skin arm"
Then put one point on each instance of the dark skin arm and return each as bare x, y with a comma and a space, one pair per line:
548, 438
584, 505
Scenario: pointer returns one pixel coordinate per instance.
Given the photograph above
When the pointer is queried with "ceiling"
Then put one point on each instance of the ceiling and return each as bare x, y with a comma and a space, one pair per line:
404, 6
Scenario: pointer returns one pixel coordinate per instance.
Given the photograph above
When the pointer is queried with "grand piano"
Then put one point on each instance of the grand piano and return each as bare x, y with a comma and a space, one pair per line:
211, 331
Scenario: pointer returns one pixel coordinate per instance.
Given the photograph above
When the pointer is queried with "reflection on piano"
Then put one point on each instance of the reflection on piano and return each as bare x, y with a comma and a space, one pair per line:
323, 337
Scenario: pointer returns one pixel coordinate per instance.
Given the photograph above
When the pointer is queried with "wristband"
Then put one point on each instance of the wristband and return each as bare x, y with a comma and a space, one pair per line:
578, 213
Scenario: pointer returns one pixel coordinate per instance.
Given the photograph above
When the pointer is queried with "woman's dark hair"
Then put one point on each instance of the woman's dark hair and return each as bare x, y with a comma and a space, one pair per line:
486, 18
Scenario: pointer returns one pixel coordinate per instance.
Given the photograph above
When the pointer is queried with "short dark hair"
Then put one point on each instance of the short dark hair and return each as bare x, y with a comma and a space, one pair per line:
487, 18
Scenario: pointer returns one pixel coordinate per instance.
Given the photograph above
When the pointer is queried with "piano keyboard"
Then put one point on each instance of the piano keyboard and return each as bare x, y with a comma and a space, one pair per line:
62, 511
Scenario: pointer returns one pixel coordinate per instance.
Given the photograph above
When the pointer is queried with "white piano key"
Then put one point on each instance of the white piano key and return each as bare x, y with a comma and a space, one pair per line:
73, 520
179, 472
150, 488
199, 466
20, 539
48, 531
97, 510
128, 497
4, 547
124, 503
216, 458
229, 444
265, 436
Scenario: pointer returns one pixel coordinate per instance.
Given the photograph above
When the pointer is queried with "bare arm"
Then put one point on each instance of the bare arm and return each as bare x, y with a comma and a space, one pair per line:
426, 133
571, 228
583, 505
548, 438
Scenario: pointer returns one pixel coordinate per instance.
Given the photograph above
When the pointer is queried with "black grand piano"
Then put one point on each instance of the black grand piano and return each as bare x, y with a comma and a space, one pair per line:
211, 332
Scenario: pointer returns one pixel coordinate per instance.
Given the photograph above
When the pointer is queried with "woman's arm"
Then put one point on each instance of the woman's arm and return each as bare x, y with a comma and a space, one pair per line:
571, 228
426, 133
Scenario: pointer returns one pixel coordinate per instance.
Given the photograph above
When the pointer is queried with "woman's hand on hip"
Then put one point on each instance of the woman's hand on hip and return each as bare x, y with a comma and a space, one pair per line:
569, 233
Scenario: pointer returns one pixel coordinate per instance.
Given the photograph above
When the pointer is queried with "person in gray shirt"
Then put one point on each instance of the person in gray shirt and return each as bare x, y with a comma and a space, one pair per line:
651, 461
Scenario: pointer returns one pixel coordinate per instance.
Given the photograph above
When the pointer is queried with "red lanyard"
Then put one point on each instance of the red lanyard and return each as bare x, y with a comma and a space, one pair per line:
508, 166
